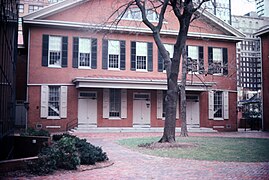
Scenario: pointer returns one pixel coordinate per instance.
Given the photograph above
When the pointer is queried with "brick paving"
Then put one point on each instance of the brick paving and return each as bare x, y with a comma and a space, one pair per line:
131, 165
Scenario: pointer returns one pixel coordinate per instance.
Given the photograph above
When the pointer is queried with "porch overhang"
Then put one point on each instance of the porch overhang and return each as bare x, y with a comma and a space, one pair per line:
135, 83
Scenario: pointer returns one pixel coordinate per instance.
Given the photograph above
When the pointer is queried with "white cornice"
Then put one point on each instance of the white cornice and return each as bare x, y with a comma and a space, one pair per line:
125, 29
157, 84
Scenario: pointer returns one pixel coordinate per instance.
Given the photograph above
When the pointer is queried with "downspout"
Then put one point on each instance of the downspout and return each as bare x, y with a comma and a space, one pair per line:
261, 84
27, 81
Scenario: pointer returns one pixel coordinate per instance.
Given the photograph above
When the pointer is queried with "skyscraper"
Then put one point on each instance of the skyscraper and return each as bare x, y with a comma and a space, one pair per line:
262, 7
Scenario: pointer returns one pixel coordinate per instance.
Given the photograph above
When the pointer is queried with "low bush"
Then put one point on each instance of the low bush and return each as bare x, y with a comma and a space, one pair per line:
34, 132
66, 152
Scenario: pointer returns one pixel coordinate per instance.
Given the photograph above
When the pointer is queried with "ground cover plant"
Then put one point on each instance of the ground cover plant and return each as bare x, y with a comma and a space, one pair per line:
66, 152
205, 148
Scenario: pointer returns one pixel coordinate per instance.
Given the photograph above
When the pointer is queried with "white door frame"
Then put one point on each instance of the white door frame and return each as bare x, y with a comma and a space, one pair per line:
141, 109
194, 111
88, 100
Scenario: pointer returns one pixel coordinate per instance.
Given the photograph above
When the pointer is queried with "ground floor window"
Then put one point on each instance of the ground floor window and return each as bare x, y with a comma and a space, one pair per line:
114, 102
54, 101
218, 104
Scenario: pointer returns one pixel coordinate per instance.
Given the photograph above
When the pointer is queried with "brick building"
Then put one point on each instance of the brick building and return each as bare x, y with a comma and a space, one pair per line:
86, 71
263, 33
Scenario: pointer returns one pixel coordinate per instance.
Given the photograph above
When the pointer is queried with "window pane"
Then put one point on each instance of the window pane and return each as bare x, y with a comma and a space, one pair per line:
141, 62
54, 101
113, 61
141, 49
114, 102
85, 59
84, 45
218, 104
217, 55
113, 47
55, 43
193, 61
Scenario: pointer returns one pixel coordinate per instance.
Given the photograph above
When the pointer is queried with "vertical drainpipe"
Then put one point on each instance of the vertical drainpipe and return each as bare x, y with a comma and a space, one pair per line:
27, 81
230, 12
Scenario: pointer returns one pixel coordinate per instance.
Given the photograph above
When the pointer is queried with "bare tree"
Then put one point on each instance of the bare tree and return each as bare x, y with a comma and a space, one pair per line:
185, 13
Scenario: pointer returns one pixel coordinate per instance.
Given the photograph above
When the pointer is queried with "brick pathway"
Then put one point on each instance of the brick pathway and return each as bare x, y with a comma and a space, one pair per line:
134, 165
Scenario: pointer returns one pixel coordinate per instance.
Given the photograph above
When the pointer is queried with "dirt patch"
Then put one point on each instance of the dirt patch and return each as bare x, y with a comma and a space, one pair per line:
157, 145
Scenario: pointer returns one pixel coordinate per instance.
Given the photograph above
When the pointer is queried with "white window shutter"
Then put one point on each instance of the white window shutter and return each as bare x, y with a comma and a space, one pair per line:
210, 105
226, 104
106, 103
63, 101
177, 112
159, 104
123, 103
44, 101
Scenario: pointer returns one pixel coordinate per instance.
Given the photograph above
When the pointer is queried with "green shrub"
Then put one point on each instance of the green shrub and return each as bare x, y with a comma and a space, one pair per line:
34, 132
67, 152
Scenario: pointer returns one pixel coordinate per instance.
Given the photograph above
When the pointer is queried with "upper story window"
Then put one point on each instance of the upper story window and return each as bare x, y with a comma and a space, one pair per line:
217, 61
170, 49
195, 61
141, 56
84, 53
136, 14
54, 51
113, 54
33, 8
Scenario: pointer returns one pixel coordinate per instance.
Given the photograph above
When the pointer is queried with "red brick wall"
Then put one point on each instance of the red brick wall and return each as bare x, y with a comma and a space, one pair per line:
265, 80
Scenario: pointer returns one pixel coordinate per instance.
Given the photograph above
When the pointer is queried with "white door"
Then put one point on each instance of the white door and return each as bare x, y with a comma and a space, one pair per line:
192, 111
141, 110
87, 109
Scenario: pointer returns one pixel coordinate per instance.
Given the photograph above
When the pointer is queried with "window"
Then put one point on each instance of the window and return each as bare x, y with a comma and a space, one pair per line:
55, 48
193, 56
53, 102
141, 56
218, 61
33, 8
136, 14
21, 8
114, 103
113, 54
84, 53
170, 49
218, 104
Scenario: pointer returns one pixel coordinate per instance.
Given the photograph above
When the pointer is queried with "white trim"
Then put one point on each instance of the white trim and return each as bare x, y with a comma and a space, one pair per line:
130, 83
50, 84
53, 127
129, 29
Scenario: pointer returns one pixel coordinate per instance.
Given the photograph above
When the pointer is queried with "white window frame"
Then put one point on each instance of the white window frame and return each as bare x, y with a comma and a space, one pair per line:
45, 93
141, 51
106, 104
55, 47
217, 59
225, 105
86, 50
113, 49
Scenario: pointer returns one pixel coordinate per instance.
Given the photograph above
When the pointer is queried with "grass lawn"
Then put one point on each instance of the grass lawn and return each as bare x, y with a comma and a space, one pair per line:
208, 148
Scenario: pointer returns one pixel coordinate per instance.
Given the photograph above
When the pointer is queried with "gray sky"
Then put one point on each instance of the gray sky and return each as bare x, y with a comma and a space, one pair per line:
241, 7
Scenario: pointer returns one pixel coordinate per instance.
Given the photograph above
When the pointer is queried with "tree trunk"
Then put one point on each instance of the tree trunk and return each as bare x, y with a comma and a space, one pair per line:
184, 130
